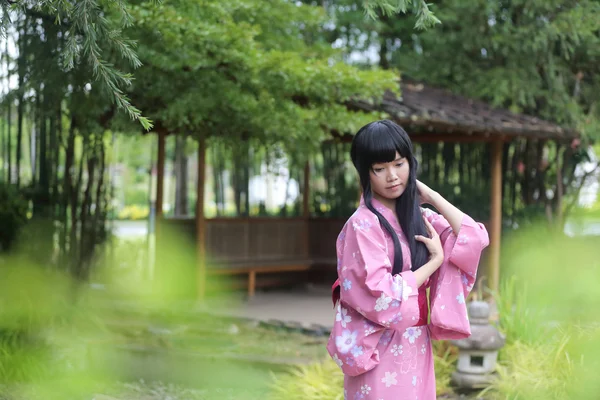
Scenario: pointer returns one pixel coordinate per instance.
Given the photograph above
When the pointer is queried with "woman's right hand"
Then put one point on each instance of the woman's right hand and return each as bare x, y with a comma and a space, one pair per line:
434, 245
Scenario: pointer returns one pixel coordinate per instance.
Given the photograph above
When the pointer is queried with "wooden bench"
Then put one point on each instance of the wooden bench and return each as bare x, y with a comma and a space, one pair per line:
261, 268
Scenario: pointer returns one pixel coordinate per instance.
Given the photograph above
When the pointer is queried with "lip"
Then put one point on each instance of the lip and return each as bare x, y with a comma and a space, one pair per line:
395, 186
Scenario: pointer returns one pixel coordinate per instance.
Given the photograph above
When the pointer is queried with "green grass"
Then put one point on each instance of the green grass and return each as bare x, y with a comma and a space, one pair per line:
217, 357
211, 335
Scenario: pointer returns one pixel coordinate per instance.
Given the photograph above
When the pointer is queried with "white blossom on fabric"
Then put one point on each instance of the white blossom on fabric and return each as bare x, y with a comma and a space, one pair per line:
389, 379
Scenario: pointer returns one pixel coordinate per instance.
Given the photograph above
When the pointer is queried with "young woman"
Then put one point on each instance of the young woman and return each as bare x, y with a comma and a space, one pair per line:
389, 251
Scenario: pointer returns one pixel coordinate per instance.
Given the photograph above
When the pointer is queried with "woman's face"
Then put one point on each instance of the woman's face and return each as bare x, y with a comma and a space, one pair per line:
389, 180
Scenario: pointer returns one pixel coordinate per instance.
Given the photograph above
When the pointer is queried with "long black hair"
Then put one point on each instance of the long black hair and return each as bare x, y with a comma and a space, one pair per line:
378, 142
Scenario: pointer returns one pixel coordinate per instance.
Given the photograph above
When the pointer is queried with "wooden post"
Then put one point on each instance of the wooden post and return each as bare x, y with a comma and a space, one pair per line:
559, 187
306, 194
251, 284
160, 176
306, 209
200, 220
496, 215
158, 207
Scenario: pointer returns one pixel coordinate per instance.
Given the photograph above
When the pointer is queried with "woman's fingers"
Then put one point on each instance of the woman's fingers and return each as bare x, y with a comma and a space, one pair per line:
429, 243
430, 227
422, 239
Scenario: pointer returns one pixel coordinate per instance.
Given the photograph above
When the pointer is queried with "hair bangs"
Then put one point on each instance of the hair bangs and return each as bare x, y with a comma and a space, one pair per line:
381, 142
379, 149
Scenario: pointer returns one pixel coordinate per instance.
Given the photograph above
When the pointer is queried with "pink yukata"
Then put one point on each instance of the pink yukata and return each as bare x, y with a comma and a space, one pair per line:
381, 335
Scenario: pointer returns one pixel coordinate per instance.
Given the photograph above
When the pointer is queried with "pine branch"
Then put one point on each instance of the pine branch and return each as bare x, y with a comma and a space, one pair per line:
87, 29
126, 18
425, 18
388, 8
90, 28
125, 48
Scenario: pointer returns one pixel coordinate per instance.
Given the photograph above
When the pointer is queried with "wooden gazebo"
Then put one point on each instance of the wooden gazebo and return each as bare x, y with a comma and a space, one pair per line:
251, 245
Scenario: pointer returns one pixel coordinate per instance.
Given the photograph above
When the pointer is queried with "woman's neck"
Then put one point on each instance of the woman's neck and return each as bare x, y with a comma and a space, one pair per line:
387, 203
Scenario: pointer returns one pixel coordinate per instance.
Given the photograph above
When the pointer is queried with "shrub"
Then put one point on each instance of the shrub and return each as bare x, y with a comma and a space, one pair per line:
534, 371
134, 212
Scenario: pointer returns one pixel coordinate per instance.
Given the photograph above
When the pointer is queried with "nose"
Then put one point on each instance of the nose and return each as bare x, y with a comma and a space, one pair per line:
391, 176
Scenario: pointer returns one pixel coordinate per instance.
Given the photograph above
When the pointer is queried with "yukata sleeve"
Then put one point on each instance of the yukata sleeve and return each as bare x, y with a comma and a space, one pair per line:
451, 284
462, 250
367, 284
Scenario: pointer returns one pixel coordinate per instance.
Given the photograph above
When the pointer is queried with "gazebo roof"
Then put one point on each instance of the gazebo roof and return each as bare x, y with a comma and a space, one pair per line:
425, 110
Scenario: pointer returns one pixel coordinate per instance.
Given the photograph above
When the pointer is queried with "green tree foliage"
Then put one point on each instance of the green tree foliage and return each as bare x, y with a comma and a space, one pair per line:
538, 57
251, 68
535, 57
94, 31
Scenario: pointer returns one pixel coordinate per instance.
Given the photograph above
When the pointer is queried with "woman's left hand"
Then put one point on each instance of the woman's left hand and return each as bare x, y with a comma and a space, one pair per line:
425, 193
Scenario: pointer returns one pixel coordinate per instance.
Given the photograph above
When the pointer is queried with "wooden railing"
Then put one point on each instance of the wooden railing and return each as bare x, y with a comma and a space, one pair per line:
263, 245
239, 241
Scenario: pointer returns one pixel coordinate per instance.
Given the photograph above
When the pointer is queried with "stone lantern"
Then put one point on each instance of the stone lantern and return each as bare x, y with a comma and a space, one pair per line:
478, 353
